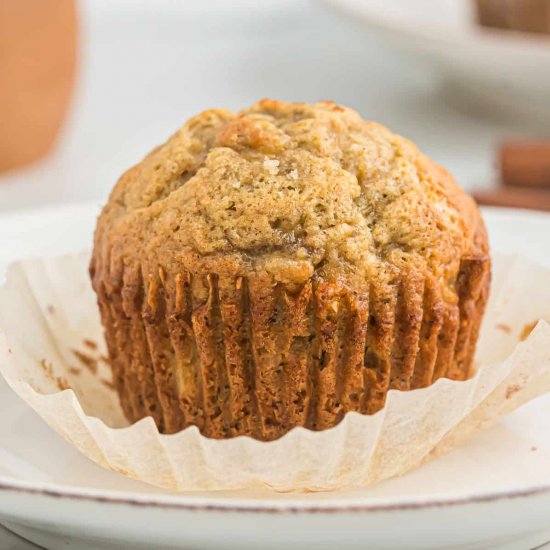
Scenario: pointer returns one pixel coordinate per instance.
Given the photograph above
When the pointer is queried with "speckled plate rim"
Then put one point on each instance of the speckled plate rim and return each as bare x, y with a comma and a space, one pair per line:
226, 504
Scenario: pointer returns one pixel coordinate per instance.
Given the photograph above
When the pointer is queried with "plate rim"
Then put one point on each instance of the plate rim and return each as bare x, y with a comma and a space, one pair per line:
243, 505
361, 13
268, 506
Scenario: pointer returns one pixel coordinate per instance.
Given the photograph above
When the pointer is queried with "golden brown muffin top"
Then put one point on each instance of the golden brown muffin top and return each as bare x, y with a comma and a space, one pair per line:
296, 191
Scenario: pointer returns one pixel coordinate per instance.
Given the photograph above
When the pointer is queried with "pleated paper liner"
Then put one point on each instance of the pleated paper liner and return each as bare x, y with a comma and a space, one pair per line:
240, 356
52, 354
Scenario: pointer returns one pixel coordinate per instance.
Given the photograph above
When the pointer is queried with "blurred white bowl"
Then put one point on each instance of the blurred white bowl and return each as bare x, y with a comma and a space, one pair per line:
504, 70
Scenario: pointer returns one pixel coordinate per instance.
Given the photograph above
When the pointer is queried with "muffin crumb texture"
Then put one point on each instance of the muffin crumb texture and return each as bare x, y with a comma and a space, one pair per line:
284, 265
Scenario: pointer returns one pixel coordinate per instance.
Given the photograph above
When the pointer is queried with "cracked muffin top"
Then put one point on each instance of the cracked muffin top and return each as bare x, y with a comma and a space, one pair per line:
294, 191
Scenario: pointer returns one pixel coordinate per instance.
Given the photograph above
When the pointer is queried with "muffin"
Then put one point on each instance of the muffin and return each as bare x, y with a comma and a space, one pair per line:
519, 15
282, 266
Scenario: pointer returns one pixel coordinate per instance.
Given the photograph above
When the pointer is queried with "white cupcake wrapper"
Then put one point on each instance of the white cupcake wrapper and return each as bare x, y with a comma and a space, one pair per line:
48, 311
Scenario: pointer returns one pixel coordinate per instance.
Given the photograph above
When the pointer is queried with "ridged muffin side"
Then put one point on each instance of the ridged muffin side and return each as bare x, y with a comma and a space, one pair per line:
248, 285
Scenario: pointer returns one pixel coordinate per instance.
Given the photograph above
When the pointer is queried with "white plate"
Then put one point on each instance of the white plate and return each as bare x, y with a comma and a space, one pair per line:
57, 498
503, 69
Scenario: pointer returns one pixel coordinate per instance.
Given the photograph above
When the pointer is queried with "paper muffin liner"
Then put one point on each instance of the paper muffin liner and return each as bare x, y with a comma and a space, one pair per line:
52, 353
241, 356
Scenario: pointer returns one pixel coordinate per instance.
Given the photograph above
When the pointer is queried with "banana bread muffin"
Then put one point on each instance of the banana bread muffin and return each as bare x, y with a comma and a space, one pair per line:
284, 265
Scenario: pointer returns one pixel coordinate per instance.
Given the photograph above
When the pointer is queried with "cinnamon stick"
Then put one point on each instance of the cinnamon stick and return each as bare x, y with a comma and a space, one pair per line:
513, 197
525, 164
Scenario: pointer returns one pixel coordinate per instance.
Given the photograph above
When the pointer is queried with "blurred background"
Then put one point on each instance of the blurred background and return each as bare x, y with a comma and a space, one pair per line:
125, 74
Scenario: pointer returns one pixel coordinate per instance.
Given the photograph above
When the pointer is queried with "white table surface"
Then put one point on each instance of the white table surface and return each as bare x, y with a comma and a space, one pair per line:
11, 541
145, 67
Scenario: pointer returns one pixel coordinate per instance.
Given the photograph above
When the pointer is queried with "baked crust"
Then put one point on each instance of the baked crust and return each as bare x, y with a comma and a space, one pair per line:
282, 266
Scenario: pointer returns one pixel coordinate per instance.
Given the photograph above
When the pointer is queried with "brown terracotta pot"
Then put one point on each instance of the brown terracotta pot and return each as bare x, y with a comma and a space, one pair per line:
37, 72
